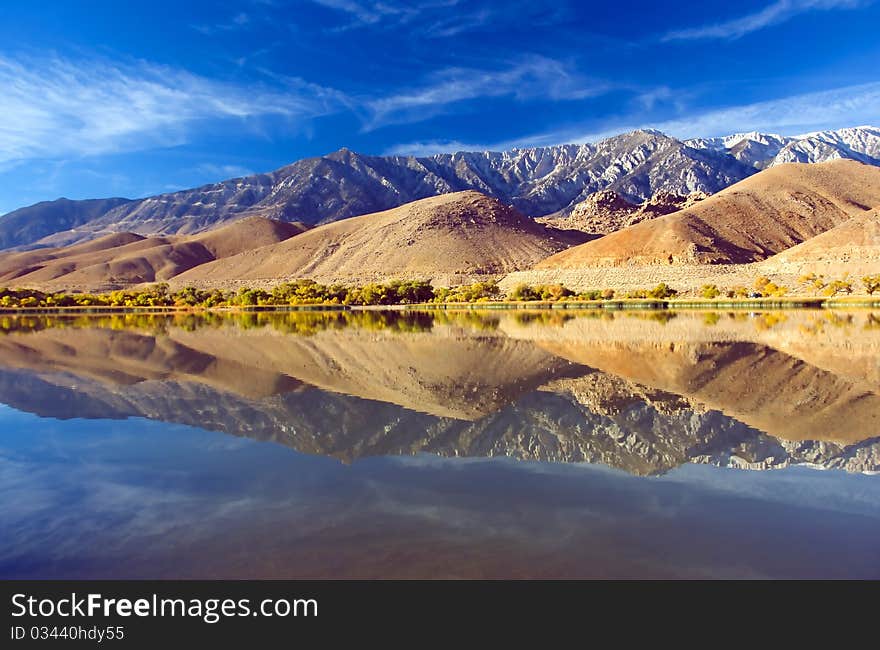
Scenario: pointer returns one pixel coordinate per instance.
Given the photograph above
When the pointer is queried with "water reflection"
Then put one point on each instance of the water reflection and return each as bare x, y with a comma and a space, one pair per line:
640, 391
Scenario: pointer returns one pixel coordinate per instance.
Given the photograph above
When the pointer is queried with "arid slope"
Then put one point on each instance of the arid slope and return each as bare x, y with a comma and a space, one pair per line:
852, 247
123, 259
448, 238
747, 222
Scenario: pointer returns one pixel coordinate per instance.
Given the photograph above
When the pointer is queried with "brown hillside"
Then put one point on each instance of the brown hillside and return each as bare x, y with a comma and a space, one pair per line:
852, 247
447, 238
763, 215
123, 259
234, 237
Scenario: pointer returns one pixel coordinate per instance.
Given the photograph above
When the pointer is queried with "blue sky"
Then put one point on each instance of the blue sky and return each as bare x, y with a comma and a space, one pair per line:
107, 98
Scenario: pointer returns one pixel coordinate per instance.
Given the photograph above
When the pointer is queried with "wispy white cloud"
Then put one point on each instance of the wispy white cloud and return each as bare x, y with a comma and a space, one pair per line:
239, 21
773, 14
459, 23
431, 147
836, 108
429, 18
443, 18
365, 13
54, 107
846, 106
650, 99
223, 171
438, 146
531, 77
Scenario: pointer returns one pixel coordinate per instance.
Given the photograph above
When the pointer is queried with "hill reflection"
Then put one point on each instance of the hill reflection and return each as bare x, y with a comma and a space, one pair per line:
644, 392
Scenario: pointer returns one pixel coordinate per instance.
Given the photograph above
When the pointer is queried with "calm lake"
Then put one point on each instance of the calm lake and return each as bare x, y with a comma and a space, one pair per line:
447, 444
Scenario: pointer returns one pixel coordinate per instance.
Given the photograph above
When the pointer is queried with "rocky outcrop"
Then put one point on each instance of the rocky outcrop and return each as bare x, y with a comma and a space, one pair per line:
604, 212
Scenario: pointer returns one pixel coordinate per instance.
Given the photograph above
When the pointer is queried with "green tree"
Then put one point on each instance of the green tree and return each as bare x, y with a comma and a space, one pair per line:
524, 293
661, 291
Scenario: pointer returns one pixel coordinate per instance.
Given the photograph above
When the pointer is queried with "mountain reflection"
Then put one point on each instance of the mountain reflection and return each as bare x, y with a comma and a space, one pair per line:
644, 392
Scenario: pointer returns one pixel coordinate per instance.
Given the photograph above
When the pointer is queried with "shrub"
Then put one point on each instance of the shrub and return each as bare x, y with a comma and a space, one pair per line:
251, 297
189, 296
476, 292
661, 291
872, 284
764, 288
838, 286
554, 292
524, 293
710, 291
772, 290
811, 281
548, 292
415, 291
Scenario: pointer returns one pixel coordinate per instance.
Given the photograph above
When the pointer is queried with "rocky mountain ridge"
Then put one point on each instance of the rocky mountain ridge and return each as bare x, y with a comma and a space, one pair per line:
763, 150
537, 181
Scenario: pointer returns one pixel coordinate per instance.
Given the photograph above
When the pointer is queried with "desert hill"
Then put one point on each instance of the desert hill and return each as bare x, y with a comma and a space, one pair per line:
122, 259
748, 222
448, 239
853, 247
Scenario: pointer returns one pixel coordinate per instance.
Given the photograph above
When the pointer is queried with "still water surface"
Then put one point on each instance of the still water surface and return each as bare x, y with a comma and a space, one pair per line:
472, 444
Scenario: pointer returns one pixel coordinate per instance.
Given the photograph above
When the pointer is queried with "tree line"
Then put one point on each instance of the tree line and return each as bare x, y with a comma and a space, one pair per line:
397, 292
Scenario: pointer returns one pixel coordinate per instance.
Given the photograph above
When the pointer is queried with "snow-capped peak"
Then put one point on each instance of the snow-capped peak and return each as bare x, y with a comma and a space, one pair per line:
753, 136
762, 150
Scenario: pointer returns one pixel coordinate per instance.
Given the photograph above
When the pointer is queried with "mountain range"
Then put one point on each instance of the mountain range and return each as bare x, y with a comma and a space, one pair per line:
464, 237
541, 181
763, 150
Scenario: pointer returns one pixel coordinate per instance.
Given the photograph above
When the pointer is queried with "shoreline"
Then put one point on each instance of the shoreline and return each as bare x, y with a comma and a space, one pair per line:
683, 304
